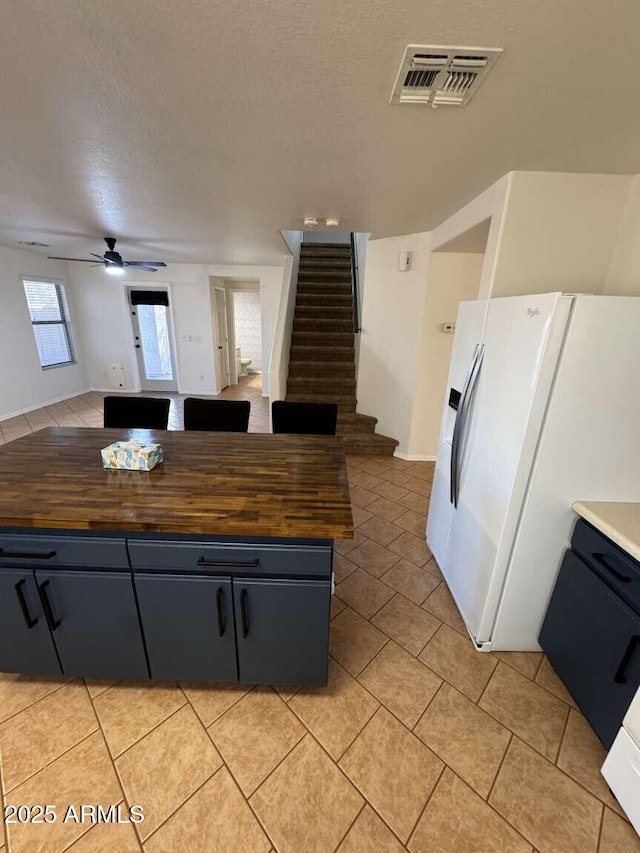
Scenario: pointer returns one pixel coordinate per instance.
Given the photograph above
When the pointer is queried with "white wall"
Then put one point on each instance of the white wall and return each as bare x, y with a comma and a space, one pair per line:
24, 385
623, 277
279, 361
452, 277
392, 316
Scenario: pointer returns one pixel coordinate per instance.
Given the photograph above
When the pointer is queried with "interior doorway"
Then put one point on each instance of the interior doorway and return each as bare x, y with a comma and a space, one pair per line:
247, 329
153, 339
221, 326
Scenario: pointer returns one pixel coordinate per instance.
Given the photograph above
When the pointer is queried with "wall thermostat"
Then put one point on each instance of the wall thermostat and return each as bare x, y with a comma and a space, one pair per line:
404, 261
448, 328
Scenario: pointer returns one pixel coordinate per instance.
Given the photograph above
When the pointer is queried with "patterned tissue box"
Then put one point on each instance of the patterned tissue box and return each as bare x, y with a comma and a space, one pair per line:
132, 456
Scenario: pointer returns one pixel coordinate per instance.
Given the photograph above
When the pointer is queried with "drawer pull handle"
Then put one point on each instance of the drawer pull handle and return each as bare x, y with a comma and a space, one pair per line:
28, 618
602, 560
220, 613
46, 606
228, 564
27, 555
620, 676
243, 614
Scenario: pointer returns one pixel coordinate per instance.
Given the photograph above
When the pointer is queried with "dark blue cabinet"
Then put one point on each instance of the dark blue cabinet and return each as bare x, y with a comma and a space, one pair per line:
188, 626
93, 618
25, 640
282, 630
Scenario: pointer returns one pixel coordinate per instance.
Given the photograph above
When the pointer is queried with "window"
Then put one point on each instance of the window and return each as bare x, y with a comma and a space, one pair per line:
49, 312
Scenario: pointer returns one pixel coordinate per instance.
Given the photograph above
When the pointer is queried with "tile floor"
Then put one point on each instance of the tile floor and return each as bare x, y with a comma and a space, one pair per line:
418, 742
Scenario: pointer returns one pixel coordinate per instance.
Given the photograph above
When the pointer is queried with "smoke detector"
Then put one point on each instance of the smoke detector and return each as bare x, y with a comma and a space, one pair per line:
442, 76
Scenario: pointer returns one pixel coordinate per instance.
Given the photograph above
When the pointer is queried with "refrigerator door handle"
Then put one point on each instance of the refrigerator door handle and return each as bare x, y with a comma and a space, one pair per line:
461, 421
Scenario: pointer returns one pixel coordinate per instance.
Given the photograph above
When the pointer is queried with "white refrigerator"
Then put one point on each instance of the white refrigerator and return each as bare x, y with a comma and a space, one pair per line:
548, 414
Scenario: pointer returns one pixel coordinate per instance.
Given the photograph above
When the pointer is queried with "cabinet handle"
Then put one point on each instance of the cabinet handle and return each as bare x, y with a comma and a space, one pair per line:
28, 618
228, 564
602, 560
220, 614
27, 555
243, 614
620, 676
46, 606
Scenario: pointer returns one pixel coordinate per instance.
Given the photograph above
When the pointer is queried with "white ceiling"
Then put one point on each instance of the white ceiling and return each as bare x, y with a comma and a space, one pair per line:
196, 129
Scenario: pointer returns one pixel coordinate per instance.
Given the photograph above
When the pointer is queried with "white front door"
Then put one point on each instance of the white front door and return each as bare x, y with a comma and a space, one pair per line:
222, 336
153, 342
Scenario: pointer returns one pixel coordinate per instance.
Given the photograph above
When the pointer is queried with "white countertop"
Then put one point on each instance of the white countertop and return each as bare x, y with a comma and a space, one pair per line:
620, 522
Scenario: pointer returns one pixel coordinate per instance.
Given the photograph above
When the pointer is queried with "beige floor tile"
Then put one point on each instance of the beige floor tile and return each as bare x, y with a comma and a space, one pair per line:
618, 836
432, 568
403, 684
423, 469
406, 623
412, 548
418, 485
375, 464
255, 735
362, 497
364, 593
456, 660
441, 604
211, 699
108, 838
167, 766
457, 820
344, 546
337, 713
396, 477
527, 663
550, 680
582, 755
546, 806
337, 606
526, 709
131, 709
375, 558
306, 804
418, 503
17, 692
387, 509
370, 835
414, 522
342, 567
394, 770
98, 686
216, 819
412, 582
353, 641
44, 731
465, 737
360, 516
84, 775
390, 491
380, 531
284, 691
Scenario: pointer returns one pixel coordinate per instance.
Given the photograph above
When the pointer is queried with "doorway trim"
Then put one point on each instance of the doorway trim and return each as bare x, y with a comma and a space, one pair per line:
230, 285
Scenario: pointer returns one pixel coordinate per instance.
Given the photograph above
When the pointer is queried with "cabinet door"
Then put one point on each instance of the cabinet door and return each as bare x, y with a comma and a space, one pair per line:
93, 617
282, 628
593, 642
188, 626
25, 640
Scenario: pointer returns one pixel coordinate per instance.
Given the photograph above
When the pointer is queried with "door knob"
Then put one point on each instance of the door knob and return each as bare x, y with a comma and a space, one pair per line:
137, 346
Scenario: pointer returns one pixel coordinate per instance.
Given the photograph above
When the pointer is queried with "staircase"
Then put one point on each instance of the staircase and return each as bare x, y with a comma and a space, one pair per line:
322, 359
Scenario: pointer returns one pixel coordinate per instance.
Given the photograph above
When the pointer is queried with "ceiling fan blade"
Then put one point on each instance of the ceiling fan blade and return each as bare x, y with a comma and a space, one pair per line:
144, 267
98, 265
101, 257
144, 263
82, 260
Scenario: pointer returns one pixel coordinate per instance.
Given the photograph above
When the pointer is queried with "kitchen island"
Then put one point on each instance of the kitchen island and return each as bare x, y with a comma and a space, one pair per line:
215, 565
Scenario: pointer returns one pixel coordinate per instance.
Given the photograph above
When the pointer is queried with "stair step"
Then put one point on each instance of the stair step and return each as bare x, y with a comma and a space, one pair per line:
324, 300
324, 312
326, 262
323, 288
369, 444
346, 402
354, 423
322, 368
322, 248
312, 354
309, 324
336, 276
322, 385
321, 339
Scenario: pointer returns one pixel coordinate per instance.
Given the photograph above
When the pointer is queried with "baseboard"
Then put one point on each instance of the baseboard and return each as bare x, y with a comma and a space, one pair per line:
408, 457
43, 405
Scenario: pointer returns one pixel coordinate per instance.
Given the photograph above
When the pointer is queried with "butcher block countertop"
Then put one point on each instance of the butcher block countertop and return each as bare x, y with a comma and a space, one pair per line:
620, 522
228, 484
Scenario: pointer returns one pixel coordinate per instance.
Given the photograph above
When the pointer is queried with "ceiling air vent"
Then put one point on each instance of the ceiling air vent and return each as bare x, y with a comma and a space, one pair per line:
436, 75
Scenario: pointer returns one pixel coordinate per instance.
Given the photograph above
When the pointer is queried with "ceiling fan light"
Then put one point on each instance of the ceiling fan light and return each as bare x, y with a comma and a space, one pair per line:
114, 269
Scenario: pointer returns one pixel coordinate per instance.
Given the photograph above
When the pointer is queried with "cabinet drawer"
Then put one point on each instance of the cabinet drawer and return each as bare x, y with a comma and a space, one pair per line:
616, 568
22, 549
305, 560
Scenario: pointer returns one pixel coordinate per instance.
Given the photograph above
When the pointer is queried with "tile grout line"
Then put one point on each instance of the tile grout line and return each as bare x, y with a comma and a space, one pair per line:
429, 798
142, 737
564, 732
35, 702
351, 825
600, 829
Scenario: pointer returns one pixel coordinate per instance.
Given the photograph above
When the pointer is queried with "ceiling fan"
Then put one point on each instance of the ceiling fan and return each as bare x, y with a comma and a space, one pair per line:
112, 261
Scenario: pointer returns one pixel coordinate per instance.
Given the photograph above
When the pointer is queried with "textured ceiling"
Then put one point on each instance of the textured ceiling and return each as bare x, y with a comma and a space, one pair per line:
196, 129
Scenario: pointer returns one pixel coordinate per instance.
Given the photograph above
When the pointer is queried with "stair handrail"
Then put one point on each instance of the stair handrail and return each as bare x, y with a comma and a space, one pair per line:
354, 283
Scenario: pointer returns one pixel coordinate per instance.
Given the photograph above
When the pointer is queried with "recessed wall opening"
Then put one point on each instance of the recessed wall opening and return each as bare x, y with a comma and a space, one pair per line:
237, 327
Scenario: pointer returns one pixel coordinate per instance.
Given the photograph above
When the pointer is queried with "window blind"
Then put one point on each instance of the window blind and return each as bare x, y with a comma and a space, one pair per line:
49, 312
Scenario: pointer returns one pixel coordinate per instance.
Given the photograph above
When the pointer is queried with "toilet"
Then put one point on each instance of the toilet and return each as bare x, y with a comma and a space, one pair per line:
242, 364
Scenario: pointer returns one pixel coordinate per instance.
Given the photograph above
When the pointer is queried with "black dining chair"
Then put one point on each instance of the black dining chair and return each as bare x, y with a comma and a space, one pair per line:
304, 418
136, 412
216, 415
